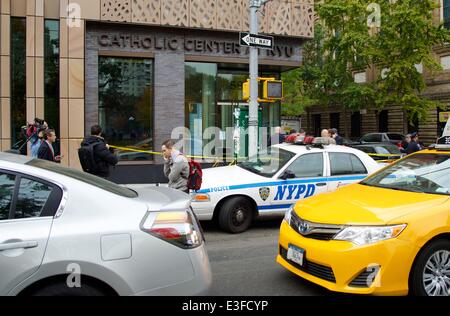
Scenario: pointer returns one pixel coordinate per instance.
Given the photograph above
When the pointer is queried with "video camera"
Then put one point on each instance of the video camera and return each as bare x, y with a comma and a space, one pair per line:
35, 127
38, 125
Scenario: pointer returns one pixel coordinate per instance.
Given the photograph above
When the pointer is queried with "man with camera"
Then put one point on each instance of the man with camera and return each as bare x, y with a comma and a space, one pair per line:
35, 134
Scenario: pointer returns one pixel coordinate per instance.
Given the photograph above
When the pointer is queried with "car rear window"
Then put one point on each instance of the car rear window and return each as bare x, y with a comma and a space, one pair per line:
372, 138
83, 177
395, 136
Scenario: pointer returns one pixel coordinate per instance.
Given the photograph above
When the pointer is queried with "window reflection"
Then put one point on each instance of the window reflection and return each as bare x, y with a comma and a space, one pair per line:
51, 68
18, 84
214, 98
7, 183
32, 198
126, 105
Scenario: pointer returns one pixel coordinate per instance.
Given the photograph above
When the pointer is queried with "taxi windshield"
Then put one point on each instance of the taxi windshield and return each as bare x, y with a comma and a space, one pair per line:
268, 162
423, 173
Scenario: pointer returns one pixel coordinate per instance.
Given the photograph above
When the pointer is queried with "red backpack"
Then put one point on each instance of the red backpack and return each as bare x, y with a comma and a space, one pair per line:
195, 175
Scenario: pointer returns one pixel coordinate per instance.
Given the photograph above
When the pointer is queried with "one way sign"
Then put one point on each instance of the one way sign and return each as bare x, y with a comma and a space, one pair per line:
259, 41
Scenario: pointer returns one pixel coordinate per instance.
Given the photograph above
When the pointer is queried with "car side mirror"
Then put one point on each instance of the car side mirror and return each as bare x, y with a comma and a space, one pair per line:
287, 174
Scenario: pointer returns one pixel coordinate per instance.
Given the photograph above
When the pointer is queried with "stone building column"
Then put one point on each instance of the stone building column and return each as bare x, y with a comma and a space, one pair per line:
35, 59
5, 74
72, 92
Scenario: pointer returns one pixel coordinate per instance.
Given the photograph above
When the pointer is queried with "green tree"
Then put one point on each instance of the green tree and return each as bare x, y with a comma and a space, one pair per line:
344, 44
406, 38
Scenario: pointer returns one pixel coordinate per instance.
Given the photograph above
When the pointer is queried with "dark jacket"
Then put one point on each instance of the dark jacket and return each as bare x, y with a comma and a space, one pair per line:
413, 147
339, 140
104, 158
45, 152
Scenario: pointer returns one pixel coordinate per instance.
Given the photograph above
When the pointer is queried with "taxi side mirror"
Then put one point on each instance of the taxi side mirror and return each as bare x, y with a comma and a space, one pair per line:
287, 174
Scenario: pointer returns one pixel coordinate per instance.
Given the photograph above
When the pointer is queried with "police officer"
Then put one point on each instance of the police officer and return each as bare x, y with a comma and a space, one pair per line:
413, 145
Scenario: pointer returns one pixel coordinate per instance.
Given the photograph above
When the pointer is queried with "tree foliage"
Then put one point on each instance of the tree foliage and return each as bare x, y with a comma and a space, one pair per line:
345, 44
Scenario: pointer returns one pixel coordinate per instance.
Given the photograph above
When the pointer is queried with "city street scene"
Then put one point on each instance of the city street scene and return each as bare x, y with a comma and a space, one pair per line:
225, 148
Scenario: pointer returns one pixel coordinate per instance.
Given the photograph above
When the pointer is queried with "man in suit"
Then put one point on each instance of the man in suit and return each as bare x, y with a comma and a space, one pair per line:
46, 151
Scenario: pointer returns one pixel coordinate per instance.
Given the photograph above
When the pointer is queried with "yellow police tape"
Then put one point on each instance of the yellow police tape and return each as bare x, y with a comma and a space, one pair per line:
384, 155
155, 152
218, 161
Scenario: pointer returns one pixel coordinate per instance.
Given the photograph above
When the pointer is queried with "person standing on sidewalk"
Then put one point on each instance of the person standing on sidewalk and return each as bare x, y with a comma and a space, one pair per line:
101, 156
176, 167
46, 151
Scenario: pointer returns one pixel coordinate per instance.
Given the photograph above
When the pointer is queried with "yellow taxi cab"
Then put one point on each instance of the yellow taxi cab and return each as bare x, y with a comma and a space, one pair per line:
387, 235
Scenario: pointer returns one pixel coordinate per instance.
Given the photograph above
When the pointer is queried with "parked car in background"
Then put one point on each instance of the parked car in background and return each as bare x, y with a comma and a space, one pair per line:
349, 142
392, 138
380, 151
56, 223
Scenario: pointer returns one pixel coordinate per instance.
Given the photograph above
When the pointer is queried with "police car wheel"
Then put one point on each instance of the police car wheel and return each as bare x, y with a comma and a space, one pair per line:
431, 272
235, 215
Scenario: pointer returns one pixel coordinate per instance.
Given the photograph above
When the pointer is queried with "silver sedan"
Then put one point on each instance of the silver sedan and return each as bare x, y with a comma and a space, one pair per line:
64, 232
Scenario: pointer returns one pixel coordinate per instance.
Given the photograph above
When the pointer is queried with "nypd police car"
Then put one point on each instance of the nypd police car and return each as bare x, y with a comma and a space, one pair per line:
276, 179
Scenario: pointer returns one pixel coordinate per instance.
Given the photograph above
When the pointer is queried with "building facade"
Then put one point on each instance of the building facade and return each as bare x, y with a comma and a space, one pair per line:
393, 118
139, 68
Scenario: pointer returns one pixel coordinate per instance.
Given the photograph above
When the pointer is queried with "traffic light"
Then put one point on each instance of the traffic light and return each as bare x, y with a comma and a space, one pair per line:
269, 90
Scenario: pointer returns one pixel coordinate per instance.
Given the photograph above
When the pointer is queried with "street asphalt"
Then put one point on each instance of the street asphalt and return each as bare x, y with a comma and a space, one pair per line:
244, 264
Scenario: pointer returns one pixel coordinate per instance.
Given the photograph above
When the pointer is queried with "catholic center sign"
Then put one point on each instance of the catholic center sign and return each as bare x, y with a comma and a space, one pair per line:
188, 45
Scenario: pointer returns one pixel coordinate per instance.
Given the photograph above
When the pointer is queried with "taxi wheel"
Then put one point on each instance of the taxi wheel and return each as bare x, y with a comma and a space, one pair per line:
236, 215
431, 273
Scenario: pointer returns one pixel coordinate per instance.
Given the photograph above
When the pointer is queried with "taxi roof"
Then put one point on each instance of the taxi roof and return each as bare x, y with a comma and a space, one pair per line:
435, 151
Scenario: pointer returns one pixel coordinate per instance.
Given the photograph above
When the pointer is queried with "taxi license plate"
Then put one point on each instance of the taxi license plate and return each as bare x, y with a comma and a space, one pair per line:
296, 255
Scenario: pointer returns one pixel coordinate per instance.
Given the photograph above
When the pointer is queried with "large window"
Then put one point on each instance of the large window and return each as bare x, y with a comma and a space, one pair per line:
126, 105
214, 99
200, 83
355, 124
18, 83
383, 121
335, 120
51, 71
446, 13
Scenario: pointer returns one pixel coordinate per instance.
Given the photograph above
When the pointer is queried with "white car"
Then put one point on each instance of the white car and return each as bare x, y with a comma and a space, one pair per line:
65, 232
282, 174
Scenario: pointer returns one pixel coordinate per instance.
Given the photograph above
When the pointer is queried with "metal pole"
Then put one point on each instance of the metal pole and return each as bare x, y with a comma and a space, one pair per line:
253, 102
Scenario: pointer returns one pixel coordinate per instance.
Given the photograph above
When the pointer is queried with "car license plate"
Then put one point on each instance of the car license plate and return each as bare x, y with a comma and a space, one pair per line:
296, 254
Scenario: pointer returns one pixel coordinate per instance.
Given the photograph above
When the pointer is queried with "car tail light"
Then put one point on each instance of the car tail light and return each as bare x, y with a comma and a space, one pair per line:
179, 228
399, 145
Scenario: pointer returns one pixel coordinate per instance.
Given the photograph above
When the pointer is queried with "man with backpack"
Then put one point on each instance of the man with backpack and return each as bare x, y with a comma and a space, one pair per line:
176, 167
95, 155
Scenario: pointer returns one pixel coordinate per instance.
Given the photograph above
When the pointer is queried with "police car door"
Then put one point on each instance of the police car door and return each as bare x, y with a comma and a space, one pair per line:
345, 168
306, 177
